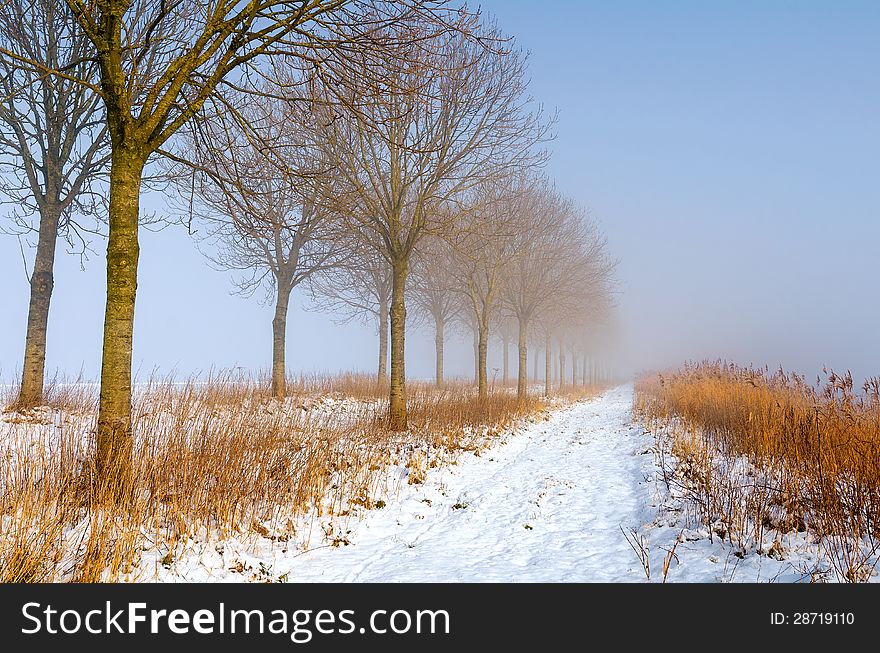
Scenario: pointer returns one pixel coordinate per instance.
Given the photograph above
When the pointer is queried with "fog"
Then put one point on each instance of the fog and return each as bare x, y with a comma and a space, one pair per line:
729, 153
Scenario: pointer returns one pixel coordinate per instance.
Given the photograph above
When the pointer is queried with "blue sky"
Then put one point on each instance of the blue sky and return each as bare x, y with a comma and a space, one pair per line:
729, 150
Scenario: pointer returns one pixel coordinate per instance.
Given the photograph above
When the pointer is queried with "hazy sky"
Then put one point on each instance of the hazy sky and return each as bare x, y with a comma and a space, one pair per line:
729, 150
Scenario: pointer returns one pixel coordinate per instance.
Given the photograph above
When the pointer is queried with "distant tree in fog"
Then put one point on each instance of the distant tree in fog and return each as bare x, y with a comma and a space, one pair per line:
560, 267
449, 109
358, 290
53, 149
262, 194
482, 249
433, 291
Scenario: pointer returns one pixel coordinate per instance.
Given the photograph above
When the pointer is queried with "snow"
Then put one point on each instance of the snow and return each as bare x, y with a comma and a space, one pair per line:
575, 495
574, 498
546, 506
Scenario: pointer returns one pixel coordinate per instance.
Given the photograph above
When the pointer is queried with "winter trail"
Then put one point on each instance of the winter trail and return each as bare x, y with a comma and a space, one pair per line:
548, 505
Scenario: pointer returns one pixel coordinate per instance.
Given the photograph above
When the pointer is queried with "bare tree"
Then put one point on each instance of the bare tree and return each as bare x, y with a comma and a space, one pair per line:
548, 357
593, 298
434, 293
505, 329
561, 265
265, 210
594, 333
357, 290
482, 249
53, 148
561, 370
159, 64
447, 109
532, 273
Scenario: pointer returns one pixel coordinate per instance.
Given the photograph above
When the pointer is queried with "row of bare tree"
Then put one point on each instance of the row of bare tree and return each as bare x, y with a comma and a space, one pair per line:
374, 152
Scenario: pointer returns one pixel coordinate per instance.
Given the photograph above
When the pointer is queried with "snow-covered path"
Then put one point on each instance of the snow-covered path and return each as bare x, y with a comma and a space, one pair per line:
546, 506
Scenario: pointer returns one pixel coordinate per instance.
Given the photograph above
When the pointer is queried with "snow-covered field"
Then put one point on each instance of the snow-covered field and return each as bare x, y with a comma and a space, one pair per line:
574, 498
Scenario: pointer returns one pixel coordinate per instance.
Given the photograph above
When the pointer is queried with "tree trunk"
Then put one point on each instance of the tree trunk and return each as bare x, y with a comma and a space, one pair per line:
397, 409
279, 339
584, 369
383, 342
482, 355
114, 412
548, 365
535, 374
476, 354
505, 369
439, 329
42, 284
561, 366
522, 371
574, 369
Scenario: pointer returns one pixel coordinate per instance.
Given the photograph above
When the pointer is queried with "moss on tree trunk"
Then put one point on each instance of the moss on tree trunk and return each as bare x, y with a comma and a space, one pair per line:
383, 343
482, 355
397, 417
114, 413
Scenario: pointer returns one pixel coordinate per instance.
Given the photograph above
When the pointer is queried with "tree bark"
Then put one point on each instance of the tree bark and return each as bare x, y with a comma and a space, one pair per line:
439, 329
42, 284
383, 342
114, 412
548, 367
482, 355
279, 341
397, 408
522, 371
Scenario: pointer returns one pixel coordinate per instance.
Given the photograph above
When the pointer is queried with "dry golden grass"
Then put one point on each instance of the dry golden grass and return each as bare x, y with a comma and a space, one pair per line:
216, 458
816, 451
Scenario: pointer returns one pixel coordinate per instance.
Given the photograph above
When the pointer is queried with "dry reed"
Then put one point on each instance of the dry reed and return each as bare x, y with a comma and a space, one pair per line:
216, 458
765, 452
